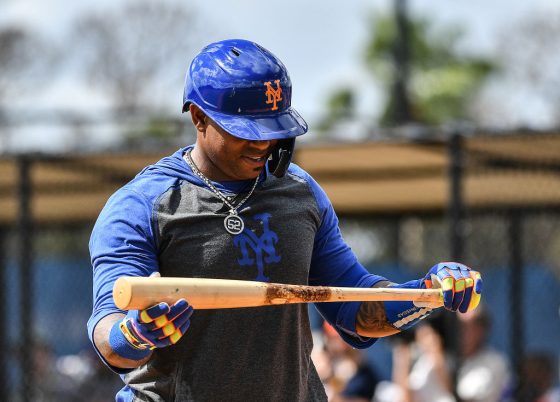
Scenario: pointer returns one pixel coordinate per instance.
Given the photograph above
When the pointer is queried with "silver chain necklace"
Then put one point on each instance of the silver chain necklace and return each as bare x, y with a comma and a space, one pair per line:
232, 222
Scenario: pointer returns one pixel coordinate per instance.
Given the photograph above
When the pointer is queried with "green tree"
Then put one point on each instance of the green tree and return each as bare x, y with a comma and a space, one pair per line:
340, 105
441, 81
159, 131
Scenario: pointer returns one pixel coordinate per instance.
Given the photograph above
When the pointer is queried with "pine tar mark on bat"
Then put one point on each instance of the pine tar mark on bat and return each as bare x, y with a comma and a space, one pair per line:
280, 294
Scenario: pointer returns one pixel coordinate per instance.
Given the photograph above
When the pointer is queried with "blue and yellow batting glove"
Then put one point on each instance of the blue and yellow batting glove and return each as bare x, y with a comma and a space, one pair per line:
461, 289
460, 285
158, 326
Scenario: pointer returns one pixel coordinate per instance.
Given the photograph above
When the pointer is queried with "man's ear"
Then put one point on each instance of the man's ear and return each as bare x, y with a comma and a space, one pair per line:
199, 119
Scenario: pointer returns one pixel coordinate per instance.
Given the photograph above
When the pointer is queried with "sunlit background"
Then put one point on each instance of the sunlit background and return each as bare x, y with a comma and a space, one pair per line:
491, 63
82, 82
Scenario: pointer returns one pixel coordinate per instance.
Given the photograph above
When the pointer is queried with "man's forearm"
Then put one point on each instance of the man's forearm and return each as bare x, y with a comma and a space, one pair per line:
371, 320
101, 340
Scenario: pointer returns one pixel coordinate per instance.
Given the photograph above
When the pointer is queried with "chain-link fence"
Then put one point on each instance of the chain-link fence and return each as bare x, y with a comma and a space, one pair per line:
502, 220
499, 213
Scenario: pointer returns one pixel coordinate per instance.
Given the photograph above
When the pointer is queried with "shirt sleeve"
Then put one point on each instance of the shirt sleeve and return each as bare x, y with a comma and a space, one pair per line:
122, 243
335, 264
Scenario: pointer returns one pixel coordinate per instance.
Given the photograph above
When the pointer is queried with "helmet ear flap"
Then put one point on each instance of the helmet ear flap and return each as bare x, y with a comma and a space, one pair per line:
281, 157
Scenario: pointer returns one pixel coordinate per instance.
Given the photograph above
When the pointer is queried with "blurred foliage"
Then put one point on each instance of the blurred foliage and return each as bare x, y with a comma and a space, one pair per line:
160, 131
528, 53
130, 51
12, 55
25, 59
135, 54
22, 56
441, 82
340, 105
163, 128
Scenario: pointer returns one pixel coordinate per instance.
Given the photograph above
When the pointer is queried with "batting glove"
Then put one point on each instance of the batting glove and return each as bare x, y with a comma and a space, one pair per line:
461, 286
158, 326
404, 314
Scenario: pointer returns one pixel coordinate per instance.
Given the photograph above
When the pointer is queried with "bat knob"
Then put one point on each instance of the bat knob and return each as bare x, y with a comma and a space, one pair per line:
122, 293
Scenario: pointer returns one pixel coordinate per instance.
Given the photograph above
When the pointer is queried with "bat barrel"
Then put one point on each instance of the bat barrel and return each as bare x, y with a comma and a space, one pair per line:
136, 293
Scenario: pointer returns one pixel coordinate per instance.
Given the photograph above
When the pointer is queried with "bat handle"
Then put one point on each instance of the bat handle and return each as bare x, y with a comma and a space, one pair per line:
433, 302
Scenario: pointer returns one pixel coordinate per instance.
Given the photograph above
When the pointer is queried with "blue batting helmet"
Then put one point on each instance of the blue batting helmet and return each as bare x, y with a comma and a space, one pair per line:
245, 89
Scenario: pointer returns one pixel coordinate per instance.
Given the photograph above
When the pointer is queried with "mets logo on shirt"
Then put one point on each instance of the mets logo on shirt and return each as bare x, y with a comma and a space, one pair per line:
258, 250
273, 95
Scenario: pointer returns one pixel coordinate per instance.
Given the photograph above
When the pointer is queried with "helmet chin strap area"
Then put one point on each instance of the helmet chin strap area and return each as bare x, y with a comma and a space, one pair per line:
281, 157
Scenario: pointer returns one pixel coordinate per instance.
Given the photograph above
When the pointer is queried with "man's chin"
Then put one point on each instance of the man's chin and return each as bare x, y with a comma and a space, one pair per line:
252, 176
254, 173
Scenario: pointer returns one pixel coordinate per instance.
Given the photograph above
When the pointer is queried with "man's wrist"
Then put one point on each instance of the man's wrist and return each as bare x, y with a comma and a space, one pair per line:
404, 314
122, 347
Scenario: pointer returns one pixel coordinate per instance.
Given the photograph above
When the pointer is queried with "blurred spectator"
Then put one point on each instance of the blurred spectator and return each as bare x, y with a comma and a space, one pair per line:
345, 374
421, 370
50, 384
80, 377
321, 358
360, 387
95, 382
538, 377
483, 375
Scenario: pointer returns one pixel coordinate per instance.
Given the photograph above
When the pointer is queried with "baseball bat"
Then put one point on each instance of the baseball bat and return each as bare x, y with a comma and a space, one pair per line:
137, 293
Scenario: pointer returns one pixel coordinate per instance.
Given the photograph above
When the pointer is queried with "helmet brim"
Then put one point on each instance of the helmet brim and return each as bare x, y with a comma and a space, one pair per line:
284, 125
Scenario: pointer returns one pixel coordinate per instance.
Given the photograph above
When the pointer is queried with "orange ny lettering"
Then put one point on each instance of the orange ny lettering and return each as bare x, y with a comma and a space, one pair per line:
273, 95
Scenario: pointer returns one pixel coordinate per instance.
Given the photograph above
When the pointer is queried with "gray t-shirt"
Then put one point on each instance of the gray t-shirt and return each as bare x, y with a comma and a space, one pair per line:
167, 220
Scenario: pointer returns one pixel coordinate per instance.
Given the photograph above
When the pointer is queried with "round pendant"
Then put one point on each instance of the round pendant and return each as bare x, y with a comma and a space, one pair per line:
234, 224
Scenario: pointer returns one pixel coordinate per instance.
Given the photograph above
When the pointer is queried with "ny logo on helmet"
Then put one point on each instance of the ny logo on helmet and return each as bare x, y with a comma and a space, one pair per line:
273, 95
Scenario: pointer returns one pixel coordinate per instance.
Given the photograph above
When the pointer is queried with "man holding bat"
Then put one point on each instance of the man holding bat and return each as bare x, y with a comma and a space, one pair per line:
233, 206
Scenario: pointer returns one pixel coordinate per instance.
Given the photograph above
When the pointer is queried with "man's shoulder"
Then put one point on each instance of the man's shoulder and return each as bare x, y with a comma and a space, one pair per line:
297, 172
301, 175
149, 185
158, 178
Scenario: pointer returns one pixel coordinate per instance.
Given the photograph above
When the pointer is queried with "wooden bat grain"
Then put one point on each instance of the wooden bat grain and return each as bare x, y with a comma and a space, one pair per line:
137, 293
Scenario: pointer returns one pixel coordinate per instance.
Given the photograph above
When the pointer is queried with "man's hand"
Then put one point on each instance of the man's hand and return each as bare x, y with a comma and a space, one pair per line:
461, 286
158, 326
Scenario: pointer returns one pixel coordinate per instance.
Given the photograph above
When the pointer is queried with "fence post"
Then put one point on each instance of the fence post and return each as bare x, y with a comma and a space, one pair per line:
456, 207
516, 297
4, 340
456, 214
26, 294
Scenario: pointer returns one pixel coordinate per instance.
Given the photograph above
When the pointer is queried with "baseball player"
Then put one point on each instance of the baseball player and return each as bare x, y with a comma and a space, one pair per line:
233, 206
